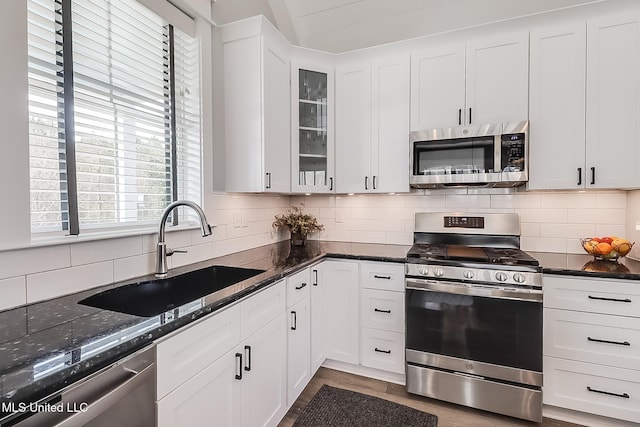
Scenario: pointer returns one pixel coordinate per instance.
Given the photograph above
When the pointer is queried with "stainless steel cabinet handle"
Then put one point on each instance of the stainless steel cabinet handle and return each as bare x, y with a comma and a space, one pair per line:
302, 285
377, 276
469, 115
593, 176
366, 182
108, 399
294, 321
382, 311
315, 282
382, 351
459, 116
268, 180
331, 183
374, 182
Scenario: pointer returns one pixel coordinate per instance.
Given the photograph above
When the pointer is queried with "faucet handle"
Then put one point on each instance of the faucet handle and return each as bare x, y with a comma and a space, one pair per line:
176, 251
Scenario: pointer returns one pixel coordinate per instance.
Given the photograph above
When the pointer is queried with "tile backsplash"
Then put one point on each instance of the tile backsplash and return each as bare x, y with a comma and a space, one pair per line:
550, 221
39, 273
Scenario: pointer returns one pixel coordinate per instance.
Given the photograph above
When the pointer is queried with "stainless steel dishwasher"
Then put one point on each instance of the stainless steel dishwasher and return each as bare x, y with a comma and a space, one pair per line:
122, 394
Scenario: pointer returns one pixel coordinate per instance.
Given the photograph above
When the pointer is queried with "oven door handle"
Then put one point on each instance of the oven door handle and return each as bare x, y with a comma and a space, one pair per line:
534, 295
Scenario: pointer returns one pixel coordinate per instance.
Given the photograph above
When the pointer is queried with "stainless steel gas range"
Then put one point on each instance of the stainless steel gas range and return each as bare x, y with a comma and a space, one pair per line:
474, 314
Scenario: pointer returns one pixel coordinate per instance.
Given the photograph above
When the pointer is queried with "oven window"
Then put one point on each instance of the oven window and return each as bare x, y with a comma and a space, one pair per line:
498, 331
454, 156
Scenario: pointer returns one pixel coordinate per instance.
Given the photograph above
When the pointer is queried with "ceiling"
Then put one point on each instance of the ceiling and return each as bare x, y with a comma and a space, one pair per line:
343, 25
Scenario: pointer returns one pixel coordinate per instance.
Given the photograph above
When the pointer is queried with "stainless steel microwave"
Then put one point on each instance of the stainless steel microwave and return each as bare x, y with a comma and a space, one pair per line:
493, 155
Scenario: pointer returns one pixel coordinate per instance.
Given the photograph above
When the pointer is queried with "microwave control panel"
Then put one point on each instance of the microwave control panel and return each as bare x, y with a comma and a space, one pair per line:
513, 152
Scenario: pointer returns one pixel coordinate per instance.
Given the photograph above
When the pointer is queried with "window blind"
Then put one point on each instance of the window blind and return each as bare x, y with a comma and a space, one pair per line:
136, 144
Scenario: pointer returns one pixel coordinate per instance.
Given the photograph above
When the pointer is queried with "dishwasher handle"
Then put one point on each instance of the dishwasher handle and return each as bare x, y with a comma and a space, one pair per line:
111, 397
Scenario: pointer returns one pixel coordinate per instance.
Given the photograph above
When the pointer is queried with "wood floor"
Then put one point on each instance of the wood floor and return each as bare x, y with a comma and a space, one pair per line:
449, 415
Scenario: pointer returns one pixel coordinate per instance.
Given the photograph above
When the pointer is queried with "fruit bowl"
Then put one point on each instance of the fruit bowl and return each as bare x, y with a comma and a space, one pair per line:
607, 248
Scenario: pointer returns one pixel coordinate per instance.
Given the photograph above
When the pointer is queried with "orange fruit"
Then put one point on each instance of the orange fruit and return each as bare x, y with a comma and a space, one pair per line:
602, 248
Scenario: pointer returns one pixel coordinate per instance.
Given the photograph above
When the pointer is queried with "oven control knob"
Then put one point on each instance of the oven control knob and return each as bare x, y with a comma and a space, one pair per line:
518, 277
468, 274
438, 272
423, 270
501, 276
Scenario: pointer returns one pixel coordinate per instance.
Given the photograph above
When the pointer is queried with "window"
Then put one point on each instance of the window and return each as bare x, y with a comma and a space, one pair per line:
114, 111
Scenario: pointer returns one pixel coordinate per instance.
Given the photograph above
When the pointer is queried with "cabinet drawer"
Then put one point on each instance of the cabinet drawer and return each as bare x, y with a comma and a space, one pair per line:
382, 350
596, 389
606, 296
382, 310
298, 286
182, 356
261, 308
596, 338
382, 275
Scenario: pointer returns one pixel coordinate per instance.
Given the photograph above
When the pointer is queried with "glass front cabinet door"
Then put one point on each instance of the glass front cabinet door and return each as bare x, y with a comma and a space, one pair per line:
312, 146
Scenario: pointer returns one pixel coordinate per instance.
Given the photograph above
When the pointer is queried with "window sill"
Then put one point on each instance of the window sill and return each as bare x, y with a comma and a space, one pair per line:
92, 236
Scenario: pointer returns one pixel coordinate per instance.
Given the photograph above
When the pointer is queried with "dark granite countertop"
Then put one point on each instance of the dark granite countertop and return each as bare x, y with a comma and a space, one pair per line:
585, 265
49, 345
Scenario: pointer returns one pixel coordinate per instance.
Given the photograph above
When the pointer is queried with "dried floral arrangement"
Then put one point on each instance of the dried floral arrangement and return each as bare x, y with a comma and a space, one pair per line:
297, 221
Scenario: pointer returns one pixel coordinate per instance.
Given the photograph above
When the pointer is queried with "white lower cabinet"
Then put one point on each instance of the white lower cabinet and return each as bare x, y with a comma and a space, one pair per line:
595, 389
212, 394
298, 333
298, 348
245, 385
591, 335
337, 311
382, 350
263, 384
382, 337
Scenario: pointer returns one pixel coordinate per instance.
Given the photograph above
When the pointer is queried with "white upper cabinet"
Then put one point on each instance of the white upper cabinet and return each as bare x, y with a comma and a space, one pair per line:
372, 126
484, 81
312, 129
257, 114
390, 124
557, 107
585, 105
353, 127
497, 73
613, 102
437, 87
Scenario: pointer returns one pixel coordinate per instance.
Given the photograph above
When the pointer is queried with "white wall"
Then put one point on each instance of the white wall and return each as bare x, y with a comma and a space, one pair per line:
550, 221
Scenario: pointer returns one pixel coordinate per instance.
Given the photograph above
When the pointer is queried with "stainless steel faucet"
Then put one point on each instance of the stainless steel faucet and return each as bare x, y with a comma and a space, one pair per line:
163, 252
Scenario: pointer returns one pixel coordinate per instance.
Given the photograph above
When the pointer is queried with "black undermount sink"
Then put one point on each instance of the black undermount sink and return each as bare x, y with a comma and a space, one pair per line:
157, 296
